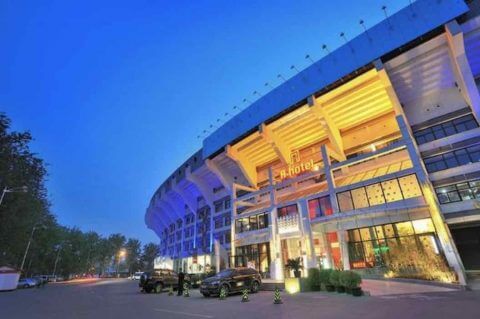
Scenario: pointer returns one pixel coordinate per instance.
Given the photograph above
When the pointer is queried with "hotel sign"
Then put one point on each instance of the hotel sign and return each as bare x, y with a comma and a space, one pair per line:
296, 166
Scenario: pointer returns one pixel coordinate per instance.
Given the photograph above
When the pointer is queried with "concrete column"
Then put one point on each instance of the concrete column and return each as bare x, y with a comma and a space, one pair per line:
276, 264
443, 232
307, 234
233, 204
330, 180
342, 241
461, 67
326, 247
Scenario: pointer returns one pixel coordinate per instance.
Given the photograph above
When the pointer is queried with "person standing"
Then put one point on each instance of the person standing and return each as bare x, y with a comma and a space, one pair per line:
181, 279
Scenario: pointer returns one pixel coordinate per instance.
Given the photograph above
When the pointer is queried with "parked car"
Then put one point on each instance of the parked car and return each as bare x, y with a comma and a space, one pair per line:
42, 279
232, 280
27, 283
159, 279
137, 275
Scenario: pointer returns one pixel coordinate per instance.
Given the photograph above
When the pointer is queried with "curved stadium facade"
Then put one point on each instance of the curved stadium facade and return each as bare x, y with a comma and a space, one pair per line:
368, 157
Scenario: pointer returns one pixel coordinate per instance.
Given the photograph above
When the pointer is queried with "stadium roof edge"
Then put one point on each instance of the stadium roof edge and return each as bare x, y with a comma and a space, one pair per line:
406, 25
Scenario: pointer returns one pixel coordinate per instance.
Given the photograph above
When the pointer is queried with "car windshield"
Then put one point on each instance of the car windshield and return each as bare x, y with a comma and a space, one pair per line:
225, 273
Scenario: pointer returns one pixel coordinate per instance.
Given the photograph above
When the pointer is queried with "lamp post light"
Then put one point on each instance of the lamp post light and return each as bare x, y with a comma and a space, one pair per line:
22, 189
121, 253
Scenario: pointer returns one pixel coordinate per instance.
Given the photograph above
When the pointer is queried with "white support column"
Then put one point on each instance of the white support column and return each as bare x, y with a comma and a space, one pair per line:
387, 84
280, 148
331, 128
443, 232
327, 248
330, 179
207, 194
225, 178
342, 240
248, 169
276, 264
461, 67
307, 234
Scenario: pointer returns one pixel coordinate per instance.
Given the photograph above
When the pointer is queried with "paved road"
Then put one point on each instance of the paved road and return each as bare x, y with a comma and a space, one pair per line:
121, 299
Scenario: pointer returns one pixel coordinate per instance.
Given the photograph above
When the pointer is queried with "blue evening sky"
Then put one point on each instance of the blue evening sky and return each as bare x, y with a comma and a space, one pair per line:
116, 92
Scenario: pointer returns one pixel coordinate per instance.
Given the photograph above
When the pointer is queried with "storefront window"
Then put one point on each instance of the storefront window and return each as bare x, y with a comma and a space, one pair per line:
379, 245
256, 256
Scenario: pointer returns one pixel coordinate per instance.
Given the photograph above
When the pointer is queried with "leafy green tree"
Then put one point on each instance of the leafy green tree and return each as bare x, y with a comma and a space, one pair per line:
150, 252
134, 253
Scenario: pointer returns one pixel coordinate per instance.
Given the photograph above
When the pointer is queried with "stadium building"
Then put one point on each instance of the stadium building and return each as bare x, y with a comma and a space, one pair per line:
369, 159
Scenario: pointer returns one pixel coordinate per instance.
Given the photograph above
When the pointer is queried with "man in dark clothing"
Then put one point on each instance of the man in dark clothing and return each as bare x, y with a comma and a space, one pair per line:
181, 278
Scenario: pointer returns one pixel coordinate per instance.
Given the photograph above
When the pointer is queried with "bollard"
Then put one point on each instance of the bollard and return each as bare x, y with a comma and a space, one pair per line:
223, 294
186, 292
245, 295
276, 297
170, 291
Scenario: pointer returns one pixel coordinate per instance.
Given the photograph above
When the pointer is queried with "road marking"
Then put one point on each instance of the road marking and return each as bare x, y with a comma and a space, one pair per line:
183, 313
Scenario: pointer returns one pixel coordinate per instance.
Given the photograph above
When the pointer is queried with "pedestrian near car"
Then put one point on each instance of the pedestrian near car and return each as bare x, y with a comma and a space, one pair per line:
181, 279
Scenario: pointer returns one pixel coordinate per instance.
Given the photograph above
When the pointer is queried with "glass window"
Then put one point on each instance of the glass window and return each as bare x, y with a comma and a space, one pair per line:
474, 152
354, 235
462, 158
365, 233
253, 223
359, 198
422, 226
388, 231
314, 208
409, 186
392, 191
404, 229
375, 194
345, 201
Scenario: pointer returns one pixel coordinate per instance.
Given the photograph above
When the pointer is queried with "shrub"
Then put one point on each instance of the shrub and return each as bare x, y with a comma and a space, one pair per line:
324, 276
350, 279
335, 278
407, 261
314, 278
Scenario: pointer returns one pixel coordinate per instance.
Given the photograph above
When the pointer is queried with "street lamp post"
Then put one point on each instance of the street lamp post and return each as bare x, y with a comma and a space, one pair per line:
56, 261
22, 189
121, 254
28, 246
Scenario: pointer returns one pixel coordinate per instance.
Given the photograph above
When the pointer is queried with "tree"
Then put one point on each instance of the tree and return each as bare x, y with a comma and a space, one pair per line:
75, 251
150, 252
134, 251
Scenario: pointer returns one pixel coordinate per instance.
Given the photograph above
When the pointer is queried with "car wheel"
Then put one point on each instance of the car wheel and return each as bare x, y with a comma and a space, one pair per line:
255, 287
158, 288
227, 289
206, 295
26, 286
148, 290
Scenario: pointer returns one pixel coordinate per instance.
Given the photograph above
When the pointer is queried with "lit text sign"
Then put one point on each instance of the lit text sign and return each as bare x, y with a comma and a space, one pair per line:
295, 169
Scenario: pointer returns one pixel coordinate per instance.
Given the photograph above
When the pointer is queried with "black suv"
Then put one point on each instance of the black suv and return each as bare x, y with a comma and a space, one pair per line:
159, 279
232, 280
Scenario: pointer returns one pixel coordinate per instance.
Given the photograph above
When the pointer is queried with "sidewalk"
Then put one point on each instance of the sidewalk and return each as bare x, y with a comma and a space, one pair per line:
386, 287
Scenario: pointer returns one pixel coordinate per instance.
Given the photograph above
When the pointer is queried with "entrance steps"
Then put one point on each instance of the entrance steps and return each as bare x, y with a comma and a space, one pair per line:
270, 284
